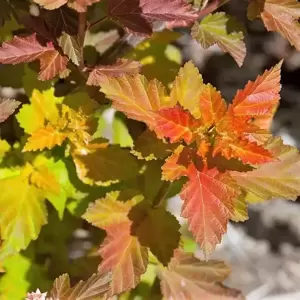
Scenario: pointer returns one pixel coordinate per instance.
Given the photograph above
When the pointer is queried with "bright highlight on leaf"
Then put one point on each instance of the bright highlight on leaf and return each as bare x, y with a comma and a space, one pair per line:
222, 30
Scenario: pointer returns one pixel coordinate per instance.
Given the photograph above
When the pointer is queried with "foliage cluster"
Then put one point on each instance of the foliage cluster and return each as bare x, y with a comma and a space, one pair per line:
106, 126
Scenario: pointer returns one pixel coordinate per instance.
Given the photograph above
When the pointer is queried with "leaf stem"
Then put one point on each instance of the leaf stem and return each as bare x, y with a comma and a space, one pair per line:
97, 22
161, 194
81, 36
211, 7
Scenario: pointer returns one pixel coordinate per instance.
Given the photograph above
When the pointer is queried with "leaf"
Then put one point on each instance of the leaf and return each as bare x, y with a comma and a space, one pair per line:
247, 152
187, 88
208, 205
138, 15
47, 137
121, 135
78, 5
164, 236
7, 108
51, 4
43, 107
147, 146
27, 49
175, 124
223, 30
124, 256
189, 278
135, 96
94, 288
23, 211
122, 253
121, 67
43, 179
108, 211
278, 179
259, 98
16, 267
172, 170
102, 166
281, 16
212, 106
70, 47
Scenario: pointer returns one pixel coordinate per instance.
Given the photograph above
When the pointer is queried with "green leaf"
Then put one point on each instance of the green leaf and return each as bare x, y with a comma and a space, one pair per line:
23, 212
14, 284
224, 31
6, 31
67, 190
70, 47
157, 229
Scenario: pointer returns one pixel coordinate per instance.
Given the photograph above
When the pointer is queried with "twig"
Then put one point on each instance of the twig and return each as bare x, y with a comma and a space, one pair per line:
81, 36
162, 193
211, 7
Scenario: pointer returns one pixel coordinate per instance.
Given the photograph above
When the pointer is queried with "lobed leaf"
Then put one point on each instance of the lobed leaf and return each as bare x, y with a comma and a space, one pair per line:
187, 88
121, 67
136, 96
175, 124
279, 15
138, 15
208, 205
259, 98
190, 278
223, 30
123, 256
278, 179
27, 49
23, 211
47, 137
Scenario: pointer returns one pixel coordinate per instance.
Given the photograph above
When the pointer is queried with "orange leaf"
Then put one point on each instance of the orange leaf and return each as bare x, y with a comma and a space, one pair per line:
46, 137
282, 16
212, 105
171, 170
208, 205
135, 96
248, 152
124, 256
175, 124
259, 98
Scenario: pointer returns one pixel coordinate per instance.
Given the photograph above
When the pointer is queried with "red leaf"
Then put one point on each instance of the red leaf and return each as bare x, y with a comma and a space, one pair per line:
82, 5
28, 49
122, 67
175, 124
248, 152
124, 256
259, 98
138, 15
208, 205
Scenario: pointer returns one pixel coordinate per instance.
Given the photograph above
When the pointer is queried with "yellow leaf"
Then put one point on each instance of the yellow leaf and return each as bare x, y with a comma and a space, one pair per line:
187, 88
46, 137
